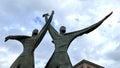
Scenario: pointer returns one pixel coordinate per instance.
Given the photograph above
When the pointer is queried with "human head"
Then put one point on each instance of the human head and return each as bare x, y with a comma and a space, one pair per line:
35, 32
62, 29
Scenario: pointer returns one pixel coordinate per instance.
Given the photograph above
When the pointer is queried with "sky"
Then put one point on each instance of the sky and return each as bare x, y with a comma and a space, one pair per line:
101, 46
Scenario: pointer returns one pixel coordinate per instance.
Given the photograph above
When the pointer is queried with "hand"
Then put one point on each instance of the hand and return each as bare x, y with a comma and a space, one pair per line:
7, 38
53, 12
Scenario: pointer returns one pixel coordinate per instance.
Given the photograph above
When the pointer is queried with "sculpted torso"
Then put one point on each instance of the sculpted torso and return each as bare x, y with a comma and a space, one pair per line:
28, 44
62, 43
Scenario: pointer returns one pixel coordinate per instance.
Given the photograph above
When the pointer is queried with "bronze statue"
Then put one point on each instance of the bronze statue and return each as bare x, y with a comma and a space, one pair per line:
62, 40
30, 43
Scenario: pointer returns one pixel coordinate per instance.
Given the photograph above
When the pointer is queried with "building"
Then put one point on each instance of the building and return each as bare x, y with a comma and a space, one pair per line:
87, 64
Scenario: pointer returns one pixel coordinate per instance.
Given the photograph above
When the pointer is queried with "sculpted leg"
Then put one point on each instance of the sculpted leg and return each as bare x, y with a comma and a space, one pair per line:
15, 65
65, 66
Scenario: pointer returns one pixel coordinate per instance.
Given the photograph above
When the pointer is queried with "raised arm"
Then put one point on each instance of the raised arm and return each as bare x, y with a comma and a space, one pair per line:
43, 30
89, 29
53, 32
51, 29
17, 37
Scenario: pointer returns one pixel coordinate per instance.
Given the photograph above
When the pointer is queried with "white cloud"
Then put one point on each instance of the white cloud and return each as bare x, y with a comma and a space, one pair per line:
16, 17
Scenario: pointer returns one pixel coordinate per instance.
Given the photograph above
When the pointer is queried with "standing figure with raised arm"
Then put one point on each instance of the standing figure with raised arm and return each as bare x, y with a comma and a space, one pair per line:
30, 43
62, 40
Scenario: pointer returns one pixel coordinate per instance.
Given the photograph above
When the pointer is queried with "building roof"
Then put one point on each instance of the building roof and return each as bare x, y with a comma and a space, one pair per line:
88, 62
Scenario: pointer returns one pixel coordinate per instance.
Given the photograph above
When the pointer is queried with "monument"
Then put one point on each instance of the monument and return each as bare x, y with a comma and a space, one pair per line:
62, 40
30, 43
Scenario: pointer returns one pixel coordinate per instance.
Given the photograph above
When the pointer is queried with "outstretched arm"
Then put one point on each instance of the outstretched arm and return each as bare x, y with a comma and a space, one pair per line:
89, 29
18, 37
43, 30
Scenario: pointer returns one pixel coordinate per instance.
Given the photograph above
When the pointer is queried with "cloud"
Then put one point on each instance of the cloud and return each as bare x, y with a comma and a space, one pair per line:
100, 46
